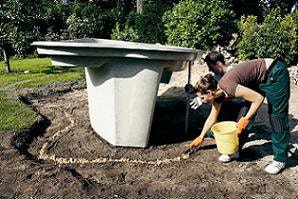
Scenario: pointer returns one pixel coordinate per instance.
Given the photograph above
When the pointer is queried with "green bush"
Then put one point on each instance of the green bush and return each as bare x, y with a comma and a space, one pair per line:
55, 16
110, 19
249, 34
295, 17
199, 23
80, 19
149, 24
275, 37
146, 27
85, 21
126, 34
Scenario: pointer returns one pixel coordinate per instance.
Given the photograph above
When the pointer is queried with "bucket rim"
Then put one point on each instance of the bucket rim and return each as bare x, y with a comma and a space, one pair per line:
220, 123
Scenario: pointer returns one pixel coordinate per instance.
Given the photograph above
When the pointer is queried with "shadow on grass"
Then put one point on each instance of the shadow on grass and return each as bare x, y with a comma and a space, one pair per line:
59, 70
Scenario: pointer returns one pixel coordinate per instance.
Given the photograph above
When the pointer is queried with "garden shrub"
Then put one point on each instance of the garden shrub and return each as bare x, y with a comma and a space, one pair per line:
146, 27
295, 17
149, 24
55, 16
112, 17
249, 35
79, 20
126, 34
85, 21
275, 37
199, 23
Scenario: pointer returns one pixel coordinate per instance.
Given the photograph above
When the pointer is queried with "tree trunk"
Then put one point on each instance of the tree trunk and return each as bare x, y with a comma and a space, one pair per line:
140, 6
6, 60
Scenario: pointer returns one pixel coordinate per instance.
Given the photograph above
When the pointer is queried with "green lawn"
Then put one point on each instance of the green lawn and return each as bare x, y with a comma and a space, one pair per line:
35, 72
15, 116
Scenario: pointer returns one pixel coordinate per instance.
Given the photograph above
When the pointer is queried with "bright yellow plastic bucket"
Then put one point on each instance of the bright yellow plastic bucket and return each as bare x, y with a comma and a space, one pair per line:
226, 137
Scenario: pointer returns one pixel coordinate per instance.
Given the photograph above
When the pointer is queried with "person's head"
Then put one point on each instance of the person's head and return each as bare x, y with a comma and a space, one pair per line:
206, 88
216, 62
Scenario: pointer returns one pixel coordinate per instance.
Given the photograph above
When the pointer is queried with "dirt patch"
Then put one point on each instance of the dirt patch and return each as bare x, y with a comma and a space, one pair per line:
62, 157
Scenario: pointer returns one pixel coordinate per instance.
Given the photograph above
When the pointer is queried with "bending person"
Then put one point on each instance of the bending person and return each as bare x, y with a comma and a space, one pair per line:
252, 81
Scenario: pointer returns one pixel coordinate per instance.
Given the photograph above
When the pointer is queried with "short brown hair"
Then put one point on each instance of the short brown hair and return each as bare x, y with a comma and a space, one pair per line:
213, 57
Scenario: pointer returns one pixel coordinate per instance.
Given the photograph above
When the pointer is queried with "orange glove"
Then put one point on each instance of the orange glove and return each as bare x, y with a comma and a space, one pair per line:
241, 125
196, 142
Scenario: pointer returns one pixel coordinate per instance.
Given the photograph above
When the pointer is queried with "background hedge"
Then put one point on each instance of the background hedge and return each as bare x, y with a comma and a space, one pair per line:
265, 28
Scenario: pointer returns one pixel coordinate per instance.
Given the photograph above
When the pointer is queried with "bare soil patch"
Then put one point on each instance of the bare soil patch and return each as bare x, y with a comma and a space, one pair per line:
62, 157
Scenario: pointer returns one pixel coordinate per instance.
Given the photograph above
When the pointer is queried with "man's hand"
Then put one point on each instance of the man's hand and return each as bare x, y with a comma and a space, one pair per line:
241, 125
196, 142
195, 103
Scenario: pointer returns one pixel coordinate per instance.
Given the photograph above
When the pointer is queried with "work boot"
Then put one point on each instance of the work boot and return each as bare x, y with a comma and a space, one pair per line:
228, 158
275, 167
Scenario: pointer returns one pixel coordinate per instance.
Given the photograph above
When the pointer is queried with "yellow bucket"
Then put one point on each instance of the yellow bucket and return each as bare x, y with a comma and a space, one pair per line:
226, 137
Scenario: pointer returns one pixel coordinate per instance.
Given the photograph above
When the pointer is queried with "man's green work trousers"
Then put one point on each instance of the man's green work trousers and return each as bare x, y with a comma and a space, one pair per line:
277, 91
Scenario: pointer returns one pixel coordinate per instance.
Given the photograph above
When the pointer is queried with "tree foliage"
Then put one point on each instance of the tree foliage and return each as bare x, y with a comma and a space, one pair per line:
190, 23
21, 23
275, 37
55, 17
284, 5
261, 8
144, 27
199, 23
125, 34
85, 21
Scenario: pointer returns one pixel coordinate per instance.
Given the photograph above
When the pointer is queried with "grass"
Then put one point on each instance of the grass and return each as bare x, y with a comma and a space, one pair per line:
15, 116
28, 73
35, 73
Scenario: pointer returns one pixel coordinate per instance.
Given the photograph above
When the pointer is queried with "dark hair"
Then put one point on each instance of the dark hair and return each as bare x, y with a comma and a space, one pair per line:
206, 83
213, 57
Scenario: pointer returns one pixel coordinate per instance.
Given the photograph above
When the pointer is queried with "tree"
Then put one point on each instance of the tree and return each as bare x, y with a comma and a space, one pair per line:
199, 23
19, 26
146, 27
85, 21
140, 6
275, 37
247, 7
261, 8
55, 17
4, 35
285, 5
